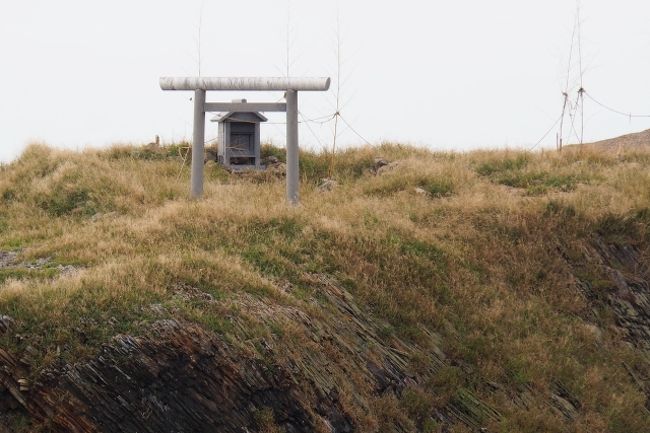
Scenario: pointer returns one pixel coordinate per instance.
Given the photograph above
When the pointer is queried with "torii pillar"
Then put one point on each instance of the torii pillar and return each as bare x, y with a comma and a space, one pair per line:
291, 87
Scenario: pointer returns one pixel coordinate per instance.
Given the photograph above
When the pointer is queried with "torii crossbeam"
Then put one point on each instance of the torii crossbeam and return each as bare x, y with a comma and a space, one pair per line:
200, 85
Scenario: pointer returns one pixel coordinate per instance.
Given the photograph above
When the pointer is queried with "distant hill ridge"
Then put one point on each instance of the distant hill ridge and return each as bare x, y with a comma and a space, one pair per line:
635, 140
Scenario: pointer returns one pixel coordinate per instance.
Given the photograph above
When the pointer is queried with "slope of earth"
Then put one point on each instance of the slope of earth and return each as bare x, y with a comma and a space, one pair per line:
639, 141
414, 292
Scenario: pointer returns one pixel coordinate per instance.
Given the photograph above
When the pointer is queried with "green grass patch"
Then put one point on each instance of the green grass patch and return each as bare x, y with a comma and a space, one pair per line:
501, 165
70, 200
435, 186
538, 183
269, 150
26, 273
517, 173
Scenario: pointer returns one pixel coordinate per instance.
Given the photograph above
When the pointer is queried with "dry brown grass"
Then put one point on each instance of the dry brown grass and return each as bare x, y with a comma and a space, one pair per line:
474, 260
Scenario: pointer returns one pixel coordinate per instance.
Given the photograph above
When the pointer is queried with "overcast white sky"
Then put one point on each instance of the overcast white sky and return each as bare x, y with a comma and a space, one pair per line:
448, 75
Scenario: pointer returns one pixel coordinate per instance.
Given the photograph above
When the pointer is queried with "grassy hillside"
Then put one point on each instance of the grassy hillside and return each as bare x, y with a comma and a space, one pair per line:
491, 261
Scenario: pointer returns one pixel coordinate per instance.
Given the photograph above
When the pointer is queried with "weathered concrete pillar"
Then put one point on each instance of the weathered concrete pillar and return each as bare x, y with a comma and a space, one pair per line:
293, 168
198, 144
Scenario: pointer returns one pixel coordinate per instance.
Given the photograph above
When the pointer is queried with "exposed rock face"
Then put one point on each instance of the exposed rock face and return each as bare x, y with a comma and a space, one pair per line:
421, 191
327, 185
380, 162
625, 291
6, 323
271, 160
178, 379
211, 154
385, 168
7, 258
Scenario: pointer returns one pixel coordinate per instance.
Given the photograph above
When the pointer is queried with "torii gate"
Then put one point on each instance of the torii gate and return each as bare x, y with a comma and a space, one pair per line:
200, 85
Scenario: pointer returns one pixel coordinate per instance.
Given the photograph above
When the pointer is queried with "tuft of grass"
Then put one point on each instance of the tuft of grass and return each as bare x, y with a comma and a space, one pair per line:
265, 421
269, 149
68, 201
520, 171
438, 187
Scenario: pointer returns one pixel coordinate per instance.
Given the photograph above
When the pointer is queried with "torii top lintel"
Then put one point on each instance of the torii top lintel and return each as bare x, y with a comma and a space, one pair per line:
245, 83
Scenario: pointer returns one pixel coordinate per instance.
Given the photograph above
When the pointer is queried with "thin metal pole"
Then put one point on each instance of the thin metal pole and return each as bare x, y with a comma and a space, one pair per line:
198, 144
561, 134
293, 166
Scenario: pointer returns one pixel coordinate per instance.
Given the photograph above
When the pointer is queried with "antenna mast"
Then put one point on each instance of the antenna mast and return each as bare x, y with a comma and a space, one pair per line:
581, 91
573, 109
199, 47
337, 114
